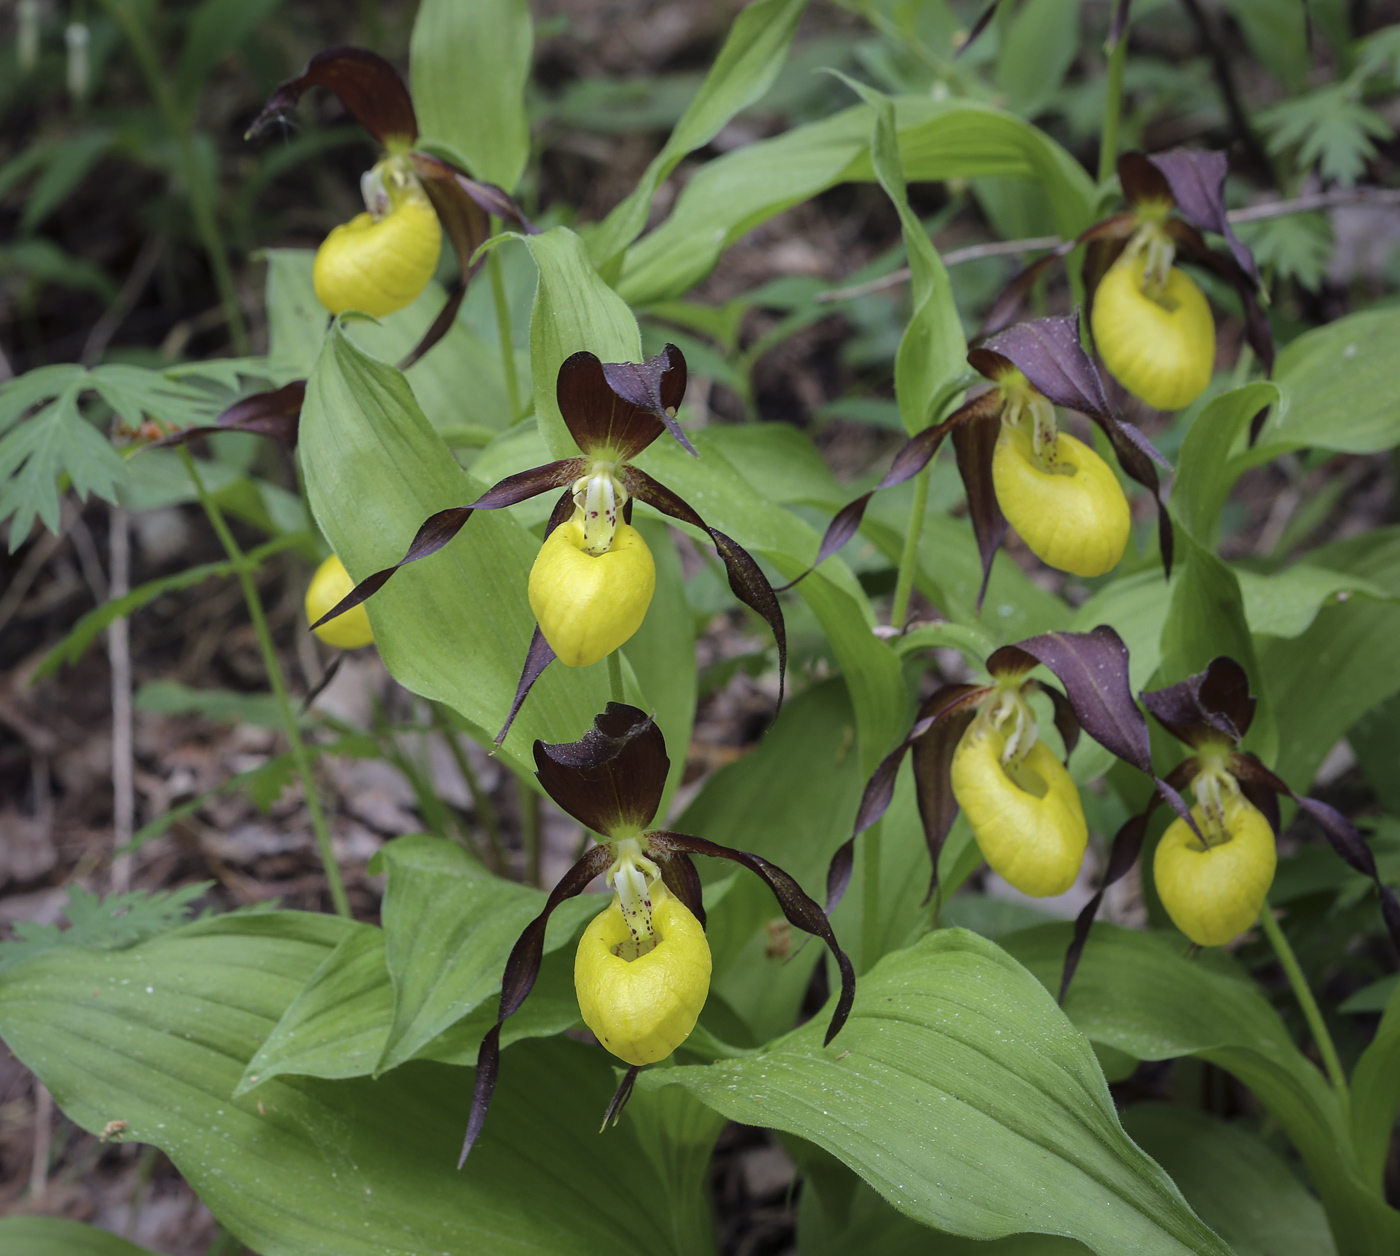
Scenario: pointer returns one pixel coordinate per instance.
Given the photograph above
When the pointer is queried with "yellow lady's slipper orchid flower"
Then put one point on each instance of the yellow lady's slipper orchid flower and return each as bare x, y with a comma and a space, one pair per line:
1025, 813
332, 582
642, 999
1214, 892
380, 261
1067, 505
1158, 342
588, 605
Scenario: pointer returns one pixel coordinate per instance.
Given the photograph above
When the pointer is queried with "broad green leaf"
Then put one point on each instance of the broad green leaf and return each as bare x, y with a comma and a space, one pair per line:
1236, 1184
938, 140
1206, 620
1340, 385
305, 1167
57, 1236
932, 349
1136, 607
1136, 992
747, 64
469, 67
1037, 49
453, 627
448, 928
574, 310
1286, 603
1375, 1095
338, 1025
959, 1091
1203, 471
217, 28
678, 1134
296, 320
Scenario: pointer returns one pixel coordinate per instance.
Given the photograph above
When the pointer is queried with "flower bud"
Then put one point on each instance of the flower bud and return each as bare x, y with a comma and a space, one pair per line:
1026, 815
1213, 893
379, 265
588, 605
642, 1009
332, 582
1160, 348
1067, 505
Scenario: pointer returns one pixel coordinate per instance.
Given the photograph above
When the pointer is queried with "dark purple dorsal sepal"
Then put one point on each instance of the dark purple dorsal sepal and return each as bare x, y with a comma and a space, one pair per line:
371, 90
1206, 707
1197, 183
621, 407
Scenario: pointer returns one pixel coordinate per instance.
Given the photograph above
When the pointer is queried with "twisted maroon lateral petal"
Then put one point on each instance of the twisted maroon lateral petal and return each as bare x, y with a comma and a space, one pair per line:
911, 458
1197, 182
621, 407
879, 790
1206, 707
746, 578
613, 777
680, 877
975, 445
437, 530
368, 86
933, 784
518, 980
1345, 840
539, 656
620, 1096
1066, 721
798, 908
275, 414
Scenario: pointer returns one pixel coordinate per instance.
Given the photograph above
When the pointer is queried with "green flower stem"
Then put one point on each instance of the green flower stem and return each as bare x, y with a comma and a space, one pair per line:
300, 757
909, 558
870, 924
481, 801
1330, 1060
181, 125
1113, 108
503, 329
615, 687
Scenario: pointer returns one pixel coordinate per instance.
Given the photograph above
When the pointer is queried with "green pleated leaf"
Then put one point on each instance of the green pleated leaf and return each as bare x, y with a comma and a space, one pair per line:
1375, 1095
745, 68
1237, 1185
455, 626
469, 67
157, 1036
449, 928
57, 1236
1038, 48
1136, 992
960, 1092
937, 140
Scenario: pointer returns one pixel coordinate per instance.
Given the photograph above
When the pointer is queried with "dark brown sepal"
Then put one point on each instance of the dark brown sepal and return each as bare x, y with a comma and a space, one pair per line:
518, 979
942, 704
564, 511
975, 445
798, 908
539, 656
1210, 707
275, 414
1143, 181
933, 786
620, 1096
1137, 456
613, 777
1197, 183
1066, 721
679, 874
1345, 840
369, 87
621, 407
746, 577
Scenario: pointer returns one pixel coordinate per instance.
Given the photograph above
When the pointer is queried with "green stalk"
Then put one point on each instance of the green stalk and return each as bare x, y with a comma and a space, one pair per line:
181, 128
1113, 107
1330, 1060
615, 687
909, 558
302, 760
503, 330
870, 924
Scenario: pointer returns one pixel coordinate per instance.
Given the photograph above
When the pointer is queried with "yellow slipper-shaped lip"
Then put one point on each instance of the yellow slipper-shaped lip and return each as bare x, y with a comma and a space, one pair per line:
379, 267
331, 583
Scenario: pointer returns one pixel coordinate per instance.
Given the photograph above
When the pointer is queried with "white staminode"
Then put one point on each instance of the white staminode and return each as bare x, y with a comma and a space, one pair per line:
599, 496
631, 875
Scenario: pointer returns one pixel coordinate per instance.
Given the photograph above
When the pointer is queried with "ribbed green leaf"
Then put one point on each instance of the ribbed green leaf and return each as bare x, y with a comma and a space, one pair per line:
960, 1092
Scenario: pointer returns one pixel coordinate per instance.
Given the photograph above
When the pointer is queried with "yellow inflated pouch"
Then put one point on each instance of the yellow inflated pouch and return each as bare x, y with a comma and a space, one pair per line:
1027, 817
1071, 511
1214, 893
588, 605
642, 1009
379, 266
331, 583
1162, 349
